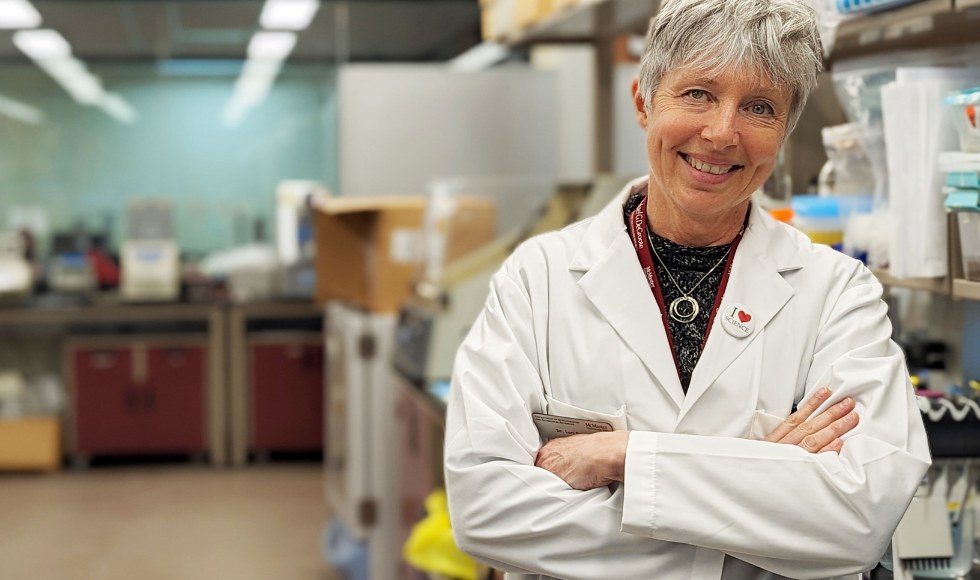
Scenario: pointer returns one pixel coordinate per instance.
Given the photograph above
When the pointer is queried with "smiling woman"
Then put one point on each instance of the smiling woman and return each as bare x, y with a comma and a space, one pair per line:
730, 356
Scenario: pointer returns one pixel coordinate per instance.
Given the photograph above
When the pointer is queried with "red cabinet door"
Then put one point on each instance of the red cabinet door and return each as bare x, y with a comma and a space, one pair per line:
173, 400
106, 402
287, 396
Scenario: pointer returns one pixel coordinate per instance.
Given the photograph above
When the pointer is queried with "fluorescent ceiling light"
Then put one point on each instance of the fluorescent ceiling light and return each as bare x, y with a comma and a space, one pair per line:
251, 90
271, 45
288, 14
20, 111
117, 108
18, 14
42, 44
74, 77
481, 56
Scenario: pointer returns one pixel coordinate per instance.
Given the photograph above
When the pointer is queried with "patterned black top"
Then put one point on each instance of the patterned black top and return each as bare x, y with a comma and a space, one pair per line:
688, 265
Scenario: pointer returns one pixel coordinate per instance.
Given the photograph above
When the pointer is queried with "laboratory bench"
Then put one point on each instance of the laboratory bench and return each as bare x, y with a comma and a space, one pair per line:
182, 378
117, 364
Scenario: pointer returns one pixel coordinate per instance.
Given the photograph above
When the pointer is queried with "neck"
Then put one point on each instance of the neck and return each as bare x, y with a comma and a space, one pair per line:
666, 219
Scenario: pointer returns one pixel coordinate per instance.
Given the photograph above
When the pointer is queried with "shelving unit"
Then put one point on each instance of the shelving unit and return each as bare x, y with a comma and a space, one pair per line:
937, 285
587, 22
966, 289
926, 24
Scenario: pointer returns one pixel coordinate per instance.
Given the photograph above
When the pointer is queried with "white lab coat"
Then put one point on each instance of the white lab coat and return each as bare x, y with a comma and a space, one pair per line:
571, 328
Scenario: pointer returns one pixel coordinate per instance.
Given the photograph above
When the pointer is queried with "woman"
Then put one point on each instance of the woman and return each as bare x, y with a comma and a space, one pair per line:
691, 324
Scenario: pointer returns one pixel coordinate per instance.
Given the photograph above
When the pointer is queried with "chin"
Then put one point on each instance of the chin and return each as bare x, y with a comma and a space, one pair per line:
703, 203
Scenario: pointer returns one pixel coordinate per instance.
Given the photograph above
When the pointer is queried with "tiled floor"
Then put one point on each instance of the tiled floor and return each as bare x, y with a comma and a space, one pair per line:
164, 523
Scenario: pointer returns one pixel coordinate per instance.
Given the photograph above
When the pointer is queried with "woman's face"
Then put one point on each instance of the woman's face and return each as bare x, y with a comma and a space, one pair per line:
712, 140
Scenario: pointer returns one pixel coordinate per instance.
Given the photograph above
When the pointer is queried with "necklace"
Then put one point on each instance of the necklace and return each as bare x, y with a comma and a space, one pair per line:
677, 311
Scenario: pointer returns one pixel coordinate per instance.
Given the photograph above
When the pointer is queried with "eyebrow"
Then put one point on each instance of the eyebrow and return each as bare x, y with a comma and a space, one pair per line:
769, 93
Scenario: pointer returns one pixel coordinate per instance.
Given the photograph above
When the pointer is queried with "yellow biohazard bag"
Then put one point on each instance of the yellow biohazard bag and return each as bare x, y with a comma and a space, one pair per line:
431, 548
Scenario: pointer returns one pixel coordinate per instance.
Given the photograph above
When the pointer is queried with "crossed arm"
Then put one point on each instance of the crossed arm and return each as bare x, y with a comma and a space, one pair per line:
587, 462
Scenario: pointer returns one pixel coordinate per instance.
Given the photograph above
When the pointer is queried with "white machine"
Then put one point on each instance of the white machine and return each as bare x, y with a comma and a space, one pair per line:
150, 271
16, 276
150, 258
361, 482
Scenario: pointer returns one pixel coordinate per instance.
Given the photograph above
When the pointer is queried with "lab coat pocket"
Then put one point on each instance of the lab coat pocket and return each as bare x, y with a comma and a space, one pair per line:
617, 420
763, 424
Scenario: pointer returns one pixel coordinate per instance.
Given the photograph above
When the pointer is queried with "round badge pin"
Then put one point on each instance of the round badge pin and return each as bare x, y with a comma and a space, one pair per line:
738, 320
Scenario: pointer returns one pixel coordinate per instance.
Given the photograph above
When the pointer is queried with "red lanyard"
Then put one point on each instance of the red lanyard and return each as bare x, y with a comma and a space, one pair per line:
637, 230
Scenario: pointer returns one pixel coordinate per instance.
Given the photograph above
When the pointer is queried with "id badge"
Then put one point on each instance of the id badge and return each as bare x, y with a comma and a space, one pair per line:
554, 426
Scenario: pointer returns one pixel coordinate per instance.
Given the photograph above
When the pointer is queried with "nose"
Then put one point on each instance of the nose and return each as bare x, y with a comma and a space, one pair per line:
721, 126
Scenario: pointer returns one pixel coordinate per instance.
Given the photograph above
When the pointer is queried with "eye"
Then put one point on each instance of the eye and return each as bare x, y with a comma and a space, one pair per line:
761, 109
696, 94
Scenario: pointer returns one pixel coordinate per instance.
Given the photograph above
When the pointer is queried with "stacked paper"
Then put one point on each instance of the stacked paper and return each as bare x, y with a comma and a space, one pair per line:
917, 128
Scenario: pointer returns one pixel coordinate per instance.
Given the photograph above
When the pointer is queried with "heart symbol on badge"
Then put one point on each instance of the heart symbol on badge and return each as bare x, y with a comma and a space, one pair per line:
744, 317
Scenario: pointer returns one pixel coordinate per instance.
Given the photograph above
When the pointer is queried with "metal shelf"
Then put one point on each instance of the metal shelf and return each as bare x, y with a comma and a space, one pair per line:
586, 22
926, 24
937, 285
966, 289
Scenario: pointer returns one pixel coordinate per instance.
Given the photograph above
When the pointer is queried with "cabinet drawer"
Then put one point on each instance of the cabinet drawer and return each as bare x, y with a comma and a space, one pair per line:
286, 382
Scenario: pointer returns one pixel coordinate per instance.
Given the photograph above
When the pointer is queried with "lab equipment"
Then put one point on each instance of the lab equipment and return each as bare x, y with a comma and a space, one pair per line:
70, 273
16, 275
818, 218
963, 199
963, 106
150, 271
294, 236
150, 257
935, 538
294, 223
848, 169
861, 6
966, 204
361, 484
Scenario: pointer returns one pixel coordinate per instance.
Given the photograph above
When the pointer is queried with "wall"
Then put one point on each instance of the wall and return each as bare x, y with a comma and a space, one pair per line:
629, 140
402, 126
81, 165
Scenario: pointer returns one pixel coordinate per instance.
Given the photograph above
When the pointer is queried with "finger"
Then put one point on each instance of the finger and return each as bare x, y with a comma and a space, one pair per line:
834, 446
802, 414
820, 422
822, 438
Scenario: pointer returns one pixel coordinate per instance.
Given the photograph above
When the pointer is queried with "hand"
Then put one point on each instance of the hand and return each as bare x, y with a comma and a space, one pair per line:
586, 462
822, 433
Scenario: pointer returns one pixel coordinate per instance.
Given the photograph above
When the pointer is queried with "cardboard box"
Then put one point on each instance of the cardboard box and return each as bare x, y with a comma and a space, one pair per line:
368, 249
557, 5
30, 444
528, 12
486, 22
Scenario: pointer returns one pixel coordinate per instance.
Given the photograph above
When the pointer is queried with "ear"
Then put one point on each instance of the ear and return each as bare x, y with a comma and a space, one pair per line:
641, 109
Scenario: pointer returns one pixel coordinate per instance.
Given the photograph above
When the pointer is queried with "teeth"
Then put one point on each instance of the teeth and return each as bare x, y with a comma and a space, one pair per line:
707, 167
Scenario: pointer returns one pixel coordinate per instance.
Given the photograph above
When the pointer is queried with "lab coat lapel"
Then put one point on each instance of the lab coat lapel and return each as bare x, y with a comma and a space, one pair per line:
615, 284
755, 283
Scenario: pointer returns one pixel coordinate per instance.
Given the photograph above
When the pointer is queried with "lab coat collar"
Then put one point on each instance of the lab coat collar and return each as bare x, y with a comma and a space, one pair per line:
615, 284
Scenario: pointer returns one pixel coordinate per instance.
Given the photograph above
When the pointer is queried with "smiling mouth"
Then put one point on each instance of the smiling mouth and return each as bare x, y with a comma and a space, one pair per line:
707, 167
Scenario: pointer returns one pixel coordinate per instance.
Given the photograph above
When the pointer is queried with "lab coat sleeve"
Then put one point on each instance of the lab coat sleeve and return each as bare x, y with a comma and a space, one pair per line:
505, 511
776, 506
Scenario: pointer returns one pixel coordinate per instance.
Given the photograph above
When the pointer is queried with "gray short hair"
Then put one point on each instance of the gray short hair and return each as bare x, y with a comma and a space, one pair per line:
778, 38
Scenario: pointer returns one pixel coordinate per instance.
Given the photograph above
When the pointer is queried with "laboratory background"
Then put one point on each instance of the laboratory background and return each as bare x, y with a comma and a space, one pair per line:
241, 241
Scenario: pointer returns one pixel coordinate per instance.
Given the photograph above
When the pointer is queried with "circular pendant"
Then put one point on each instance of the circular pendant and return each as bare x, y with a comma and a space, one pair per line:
684, 314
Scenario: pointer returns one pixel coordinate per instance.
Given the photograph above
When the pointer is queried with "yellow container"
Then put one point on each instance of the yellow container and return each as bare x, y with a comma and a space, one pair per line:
30, 444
